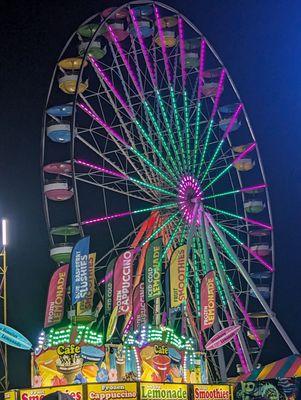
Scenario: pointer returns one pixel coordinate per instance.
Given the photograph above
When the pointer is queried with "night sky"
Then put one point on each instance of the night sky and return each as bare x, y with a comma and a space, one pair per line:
259, 41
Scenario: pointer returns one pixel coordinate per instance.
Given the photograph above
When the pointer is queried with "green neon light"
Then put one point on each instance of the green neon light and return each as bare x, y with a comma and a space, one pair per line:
217, 150
221, 242
151, 165
161, 136
178, 126
218, 176
154, 147
159, 229
84, 333
171, 239
148, 334
169, 205
214, 196
230, 233
227, 213
196, 266
154, 187
197, 134
183, 236
170, 133
205, 146
187, 131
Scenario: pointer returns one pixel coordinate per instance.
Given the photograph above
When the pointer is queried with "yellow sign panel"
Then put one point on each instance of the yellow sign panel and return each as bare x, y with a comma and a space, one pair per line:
212, 392
159, 391
178, 290
75, 391
10, 395
108, 391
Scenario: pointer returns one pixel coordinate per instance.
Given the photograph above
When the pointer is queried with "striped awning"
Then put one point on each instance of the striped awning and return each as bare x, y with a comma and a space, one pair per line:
288, 367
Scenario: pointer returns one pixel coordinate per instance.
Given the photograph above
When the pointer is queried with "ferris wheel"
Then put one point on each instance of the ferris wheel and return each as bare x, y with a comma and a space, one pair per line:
145, 136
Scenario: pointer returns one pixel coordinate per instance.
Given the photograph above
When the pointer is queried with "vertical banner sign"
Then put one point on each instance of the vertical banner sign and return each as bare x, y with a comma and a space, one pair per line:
208, 303
80, 270
123, 282
56, 297
153, 270
86, 305
140, 311
109, 287
178, 289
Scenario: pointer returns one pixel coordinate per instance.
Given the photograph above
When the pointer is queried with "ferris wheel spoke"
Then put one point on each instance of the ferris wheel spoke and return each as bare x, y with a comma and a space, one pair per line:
246, 219
211, 121
112, 189
224, 137
126, 177
114, 134
139, 89
129, 102
127, 213
225, 170
250, 251
244, 355
161, 227
231, 192
199, 104
172, 237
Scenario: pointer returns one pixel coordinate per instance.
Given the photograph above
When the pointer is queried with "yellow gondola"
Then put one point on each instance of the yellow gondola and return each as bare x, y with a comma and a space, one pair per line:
68, 84
244, 164
72, 63
170, 38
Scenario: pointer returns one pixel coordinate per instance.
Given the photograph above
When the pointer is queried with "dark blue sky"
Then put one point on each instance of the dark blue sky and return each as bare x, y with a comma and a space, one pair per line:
260, 44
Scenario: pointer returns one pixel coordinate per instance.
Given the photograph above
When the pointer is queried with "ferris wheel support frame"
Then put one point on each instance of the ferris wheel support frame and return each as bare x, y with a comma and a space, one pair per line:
250, 282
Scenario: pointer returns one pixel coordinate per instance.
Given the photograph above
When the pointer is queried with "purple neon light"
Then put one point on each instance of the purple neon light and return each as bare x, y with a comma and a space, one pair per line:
248, 319
182, 50
144, 49
232, 122
110, 130
239, 350
244, 153
258, 258
164, 52
125, 61
201, 70
256, 187
111, 86
98, 168
106, 218
218, 93
258, 223
189, 190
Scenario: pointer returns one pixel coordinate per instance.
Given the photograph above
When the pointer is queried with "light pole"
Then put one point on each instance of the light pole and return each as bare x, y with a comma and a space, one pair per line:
3, 294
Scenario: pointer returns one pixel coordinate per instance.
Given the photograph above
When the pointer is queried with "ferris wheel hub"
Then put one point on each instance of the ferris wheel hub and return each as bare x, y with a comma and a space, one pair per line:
189, 193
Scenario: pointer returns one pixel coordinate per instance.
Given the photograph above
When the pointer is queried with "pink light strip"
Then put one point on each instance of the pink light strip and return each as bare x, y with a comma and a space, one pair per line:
111, 86
256, 187
110, 130
258, 223
248, 319
98, 168
163, 46
106, 218
244, 153
232, 122
201, 70
238, 346
258, 258
125, 61
144, 49
106, 278
218, 93
182, 50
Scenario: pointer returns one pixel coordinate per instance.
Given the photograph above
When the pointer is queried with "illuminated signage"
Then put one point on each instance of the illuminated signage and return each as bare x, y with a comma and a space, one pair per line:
161, 391
212, 392
112, 391
75, 391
